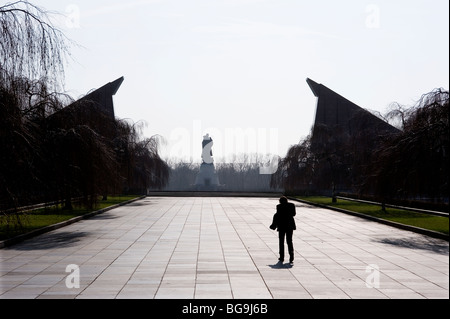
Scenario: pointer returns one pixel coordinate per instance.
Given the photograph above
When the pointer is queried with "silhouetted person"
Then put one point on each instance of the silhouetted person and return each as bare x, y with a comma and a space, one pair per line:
283, 220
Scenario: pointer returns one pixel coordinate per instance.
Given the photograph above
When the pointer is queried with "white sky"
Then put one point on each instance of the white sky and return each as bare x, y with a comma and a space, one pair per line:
237, 69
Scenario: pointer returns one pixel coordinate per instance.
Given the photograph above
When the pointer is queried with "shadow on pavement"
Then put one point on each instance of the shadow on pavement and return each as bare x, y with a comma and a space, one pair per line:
105, 216
430, 244
52, 240
140, 203
280, 265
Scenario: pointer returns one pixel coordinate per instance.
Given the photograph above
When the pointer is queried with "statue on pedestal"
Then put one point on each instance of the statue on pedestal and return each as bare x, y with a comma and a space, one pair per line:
207, 144
207, 178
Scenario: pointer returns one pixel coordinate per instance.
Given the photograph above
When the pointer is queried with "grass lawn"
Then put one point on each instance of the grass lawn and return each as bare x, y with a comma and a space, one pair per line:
39, 218
430, 222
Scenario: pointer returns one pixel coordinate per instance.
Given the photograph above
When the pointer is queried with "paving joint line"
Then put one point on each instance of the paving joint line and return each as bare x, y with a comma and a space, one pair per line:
143, 258
221, 246
96, 277
248, 252
174, 248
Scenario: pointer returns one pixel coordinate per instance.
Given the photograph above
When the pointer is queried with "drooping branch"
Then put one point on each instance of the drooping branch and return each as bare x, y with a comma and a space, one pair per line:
30, 46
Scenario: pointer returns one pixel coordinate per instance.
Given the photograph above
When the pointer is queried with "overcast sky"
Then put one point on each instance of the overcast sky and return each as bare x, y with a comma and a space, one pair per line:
237, 69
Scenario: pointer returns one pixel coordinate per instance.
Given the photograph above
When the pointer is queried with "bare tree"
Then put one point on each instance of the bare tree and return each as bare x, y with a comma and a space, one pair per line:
141, 165
50, 151
30, 46
182, 175
32, 54
297, 170
415, 162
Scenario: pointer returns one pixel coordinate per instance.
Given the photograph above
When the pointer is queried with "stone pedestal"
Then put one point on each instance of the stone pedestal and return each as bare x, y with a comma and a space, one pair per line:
207, 178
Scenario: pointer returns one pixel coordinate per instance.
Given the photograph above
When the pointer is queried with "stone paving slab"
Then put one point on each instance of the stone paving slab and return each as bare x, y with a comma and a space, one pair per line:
222, 248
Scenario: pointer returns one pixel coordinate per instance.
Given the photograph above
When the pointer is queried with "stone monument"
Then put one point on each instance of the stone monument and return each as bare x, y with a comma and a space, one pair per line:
207, 178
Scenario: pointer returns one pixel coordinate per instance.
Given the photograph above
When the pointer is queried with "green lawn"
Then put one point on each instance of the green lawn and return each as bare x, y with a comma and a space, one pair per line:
430, 222
29, 221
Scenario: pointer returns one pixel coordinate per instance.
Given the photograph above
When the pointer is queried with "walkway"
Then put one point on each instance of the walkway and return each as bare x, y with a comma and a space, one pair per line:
221, 247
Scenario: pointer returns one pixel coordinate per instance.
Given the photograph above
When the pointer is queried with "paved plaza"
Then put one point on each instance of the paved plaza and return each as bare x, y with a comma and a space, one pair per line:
222, 247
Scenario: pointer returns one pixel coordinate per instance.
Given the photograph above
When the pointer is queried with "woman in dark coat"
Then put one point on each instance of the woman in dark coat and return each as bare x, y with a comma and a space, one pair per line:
284, 222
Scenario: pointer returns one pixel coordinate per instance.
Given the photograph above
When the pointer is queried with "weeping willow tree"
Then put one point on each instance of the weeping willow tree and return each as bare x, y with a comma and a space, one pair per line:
32, 55
414, 164
297, 170
51, 147
30, 46
138, 158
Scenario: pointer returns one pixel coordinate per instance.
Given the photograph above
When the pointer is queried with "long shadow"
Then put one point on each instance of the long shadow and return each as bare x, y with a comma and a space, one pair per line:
430, 244
305, 205
140, 203
51, 240
280, 265
105, 216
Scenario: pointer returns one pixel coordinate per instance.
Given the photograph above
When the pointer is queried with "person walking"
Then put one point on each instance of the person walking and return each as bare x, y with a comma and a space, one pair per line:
284, 222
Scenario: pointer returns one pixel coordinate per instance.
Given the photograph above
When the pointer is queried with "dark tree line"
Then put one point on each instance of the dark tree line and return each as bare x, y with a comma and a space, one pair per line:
52, 148
240, 175
410, 164
415, 162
